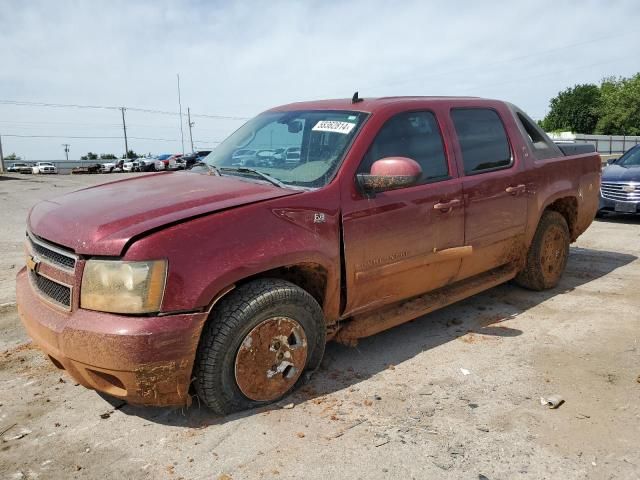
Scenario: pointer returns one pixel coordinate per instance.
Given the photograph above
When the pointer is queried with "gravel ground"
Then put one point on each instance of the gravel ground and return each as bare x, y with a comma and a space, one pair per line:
453, 395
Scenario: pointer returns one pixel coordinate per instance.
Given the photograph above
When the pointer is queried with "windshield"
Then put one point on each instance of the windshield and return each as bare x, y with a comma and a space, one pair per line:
630, 159
299, 148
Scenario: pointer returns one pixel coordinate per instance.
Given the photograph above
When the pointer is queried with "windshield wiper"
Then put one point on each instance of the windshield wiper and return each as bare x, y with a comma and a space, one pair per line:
211, 168
263, 175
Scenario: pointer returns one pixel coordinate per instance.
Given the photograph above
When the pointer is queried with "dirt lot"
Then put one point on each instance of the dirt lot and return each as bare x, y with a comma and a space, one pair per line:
400, 405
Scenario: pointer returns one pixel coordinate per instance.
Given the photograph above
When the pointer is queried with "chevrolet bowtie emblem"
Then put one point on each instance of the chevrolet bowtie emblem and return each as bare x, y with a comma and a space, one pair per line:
32, 263
629, 188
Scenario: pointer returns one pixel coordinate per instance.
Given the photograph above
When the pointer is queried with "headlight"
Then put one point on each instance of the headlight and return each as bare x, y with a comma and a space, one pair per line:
123, 287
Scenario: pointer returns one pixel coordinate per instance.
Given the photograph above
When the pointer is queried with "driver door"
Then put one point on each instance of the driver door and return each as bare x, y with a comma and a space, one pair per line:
405, 242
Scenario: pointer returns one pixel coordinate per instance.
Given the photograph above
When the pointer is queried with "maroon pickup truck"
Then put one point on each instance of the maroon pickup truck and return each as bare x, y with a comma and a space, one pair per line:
227, 280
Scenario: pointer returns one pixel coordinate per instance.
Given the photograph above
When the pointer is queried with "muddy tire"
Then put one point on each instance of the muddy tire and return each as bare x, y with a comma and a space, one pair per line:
548, 253
256, 345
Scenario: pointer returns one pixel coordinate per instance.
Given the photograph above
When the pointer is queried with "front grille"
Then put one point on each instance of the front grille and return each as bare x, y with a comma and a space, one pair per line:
53, 291
53, 255
616, 191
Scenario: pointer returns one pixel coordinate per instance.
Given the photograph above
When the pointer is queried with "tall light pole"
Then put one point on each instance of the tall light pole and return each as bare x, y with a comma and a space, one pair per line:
124, 127
191, 124
66, 150
180, 107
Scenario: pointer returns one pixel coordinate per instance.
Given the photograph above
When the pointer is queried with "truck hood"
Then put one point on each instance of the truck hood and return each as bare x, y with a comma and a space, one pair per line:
101, 220
616, 173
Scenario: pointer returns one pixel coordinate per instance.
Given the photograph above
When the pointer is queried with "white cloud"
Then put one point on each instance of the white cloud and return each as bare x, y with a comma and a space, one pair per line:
241, 58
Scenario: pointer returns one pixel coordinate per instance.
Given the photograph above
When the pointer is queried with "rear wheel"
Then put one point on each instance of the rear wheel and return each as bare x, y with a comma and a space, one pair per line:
548, 253
259, 341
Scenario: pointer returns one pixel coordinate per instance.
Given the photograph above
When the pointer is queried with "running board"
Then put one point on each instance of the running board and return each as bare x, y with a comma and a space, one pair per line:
368, 324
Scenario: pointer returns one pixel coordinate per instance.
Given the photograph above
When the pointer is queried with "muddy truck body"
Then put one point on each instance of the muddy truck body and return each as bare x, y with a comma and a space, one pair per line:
315, 221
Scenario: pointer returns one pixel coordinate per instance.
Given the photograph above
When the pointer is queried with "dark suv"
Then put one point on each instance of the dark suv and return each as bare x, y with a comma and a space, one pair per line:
620, 187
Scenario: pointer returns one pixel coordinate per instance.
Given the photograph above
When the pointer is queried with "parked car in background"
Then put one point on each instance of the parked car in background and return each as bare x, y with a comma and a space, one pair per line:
147, 164
162, 162
119, 166
131, 166
227, 281
84, 169
244, 157
44, 168
195, 157
107, 167
175, 162
620, 186
27, 169
292, 157
15, 167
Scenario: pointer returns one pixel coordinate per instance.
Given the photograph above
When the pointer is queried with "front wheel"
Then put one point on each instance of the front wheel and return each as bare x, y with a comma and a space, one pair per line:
548, 253
256, 345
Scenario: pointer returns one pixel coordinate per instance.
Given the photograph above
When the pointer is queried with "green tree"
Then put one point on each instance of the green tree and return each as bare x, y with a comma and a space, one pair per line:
12, 157
576, 109
620, 109
131, 155
107, 156
89, 156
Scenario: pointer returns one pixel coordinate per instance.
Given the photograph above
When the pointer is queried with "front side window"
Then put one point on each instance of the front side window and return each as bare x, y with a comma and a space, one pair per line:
298, 148
482, 139
414, 135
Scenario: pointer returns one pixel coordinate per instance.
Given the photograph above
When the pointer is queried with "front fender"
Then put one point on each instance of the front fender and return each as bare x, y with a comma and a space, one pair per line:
208, 254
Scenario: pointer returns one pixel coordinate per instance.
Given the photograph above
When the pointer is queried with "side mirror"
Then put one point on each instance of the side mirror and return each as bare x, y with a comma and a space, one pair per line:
389, 173
612, 161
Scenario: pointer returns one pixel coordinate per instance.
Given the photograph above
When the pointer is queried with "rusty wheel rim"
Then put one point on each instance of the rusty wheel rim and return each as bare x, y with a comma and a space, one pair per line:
271, 358
554, 253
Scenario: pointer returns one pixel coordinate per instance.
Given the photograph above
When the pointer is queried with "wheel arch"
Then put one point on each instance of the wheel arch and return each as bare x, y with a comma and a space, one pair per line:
567, 206
312, 277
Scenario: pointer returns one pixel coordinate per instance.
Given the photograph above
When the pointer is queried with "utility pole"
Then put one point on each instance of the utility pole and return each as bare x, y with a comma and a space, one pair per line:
66, 150
124, 127
191, 124
180, 107
1, 157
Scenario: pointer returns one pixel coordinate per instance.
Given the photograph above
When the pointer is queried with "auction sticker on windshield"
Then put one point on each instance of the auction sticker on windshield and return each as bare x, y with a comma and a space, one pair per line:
334, 126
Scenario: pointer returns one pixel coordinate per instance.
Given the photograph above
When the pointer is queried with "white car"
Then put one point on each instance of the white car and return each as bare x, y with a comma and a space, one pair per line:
131, 166
107, 167
44, 168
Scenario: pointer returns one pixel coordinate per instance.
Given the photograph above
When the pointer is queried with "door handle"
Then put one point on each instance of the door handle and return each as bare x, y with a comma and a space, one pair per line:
446, 206
515, 190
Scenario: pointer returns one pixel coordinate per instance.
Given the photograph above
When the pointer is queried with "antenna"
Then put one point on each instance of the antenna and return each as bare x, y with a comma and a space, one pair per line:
356, 99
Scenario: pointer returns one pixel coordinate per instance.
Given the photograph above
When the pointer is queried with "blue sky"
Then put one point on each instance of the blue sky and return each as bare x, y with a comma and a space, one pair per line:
237, 59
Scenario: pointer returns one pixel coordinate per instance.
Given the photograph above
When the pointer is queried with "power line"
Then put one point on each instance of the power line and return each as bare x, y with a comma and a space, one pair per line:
88, 137
109, 107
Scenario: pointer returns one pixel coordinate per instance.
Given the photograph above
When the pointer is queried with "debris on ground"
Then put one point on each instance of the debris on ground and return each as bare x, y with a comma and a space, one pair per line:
288, 406
106, 415
465, 371
552, 401
5, 430
21, 434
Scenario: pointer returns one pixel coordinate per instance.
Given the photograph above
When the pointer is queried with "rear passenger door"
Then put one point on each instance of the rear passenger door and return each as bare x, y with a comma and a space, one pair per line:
494, 190
401, 243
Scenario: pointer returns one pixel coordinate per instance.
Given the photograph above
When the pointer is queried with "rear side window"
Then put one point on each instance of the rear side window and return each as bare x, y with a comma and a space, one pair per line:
482, 139
541, 145
414, 135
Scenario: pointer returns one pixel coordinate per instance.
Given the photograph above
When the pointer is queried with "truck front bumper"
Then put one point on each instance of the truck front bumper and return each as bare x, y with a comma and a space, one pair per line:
142, 360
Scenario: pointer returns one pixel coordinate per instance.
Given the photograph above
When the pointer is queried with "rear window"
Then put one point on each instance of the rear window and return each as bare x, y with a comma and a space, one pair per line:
482, 139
